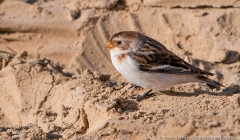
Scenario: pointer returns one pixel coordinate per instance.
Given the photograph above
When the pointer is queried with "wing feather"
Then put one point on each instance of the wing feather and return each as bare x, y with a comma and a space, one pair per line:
155, 57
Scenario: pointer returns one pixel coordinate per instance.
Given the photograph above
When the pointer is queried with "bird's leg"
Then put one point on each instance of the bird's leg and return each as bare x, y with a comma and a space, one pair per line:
141, 97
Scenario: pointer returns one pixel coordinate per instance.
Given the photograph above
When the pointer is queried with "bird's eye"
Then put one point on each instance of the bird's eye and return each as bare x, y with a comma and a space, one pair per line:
119, 42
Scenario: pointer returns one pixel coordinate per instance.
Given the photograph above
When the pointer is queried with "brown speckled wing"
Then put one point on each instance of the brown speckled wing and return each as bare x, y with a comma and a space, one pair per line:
153, 55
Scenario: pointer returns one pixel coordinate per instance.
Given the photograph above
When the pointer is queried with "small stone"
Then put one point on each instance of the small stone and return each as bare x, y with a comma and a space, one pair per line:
232, 56
214, 123
104, 77
74, 14
121, 118
207, 101
124, 132
119, 110
22, 54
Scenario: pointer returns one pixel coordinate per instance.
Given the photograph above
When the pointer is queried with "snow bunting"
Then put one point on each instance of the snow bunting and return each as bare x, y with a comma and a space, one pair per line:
146, 62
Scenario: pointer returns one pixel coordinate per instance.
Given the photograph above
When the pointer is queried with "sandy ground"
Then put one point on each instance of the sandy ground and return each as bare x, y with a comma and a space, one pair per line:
57, 80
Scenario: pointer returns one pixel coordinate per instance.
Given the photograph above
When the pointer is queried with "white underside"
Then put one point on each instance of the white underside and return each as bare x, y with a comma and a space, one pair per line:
156, 81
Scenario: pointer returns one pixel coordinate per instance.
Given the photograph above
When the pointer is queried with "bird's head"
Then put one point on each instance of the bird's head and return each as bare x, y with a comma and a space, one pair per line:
124, 42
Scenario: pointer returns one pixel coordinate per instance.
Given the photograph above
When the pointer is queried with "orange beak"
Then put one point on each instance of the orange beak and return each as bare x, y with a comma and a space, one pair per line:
109, 45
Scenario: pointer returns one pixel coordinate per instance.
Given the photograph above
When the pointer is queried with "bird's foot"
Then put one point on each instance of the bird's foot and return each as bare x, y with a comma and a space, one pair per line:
133, 86
141, 97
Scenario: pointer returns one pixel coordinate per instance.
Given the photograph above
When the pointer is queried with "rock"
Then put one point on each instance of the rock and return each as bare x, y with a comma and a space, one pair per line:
232, 57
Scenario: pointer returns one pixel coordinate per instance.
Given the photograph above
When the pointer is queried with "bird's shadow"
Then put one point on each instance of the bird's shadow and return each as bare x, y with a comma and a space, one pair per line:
228, 91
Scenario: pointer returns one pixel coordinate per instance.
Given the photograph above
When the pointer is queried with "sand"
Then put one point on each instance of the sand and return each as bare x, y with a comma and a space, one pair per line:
57, 80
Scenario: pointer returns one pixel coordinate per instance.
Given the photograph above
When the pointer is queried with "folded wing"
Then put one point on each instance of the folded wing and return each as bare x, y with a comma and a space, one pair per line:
154, 57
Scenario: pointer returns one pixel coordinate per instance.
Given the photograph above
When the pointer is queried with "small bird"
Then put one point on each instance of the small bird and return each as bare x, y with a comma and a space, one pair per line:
146, 62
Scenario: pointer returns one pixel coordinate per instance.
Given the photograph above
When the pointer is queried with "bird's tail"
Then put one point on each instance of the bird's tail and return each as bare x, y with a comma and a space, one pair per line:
211, 83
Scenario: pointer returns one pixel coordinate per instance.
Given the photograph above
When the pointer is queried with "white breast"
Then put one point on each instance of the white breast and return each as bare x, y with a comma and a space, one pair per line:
128, 68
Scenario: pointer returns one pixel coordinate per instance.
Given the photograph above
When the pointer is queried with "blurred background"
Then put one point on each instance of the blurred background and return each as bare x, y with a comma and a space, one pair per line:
74, 33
